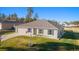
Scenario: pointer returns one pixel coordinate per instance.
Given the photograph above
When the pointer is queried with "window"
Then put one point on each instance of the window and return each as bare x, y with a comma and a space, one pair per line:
29, 29
35, 31
40, 31
50, 32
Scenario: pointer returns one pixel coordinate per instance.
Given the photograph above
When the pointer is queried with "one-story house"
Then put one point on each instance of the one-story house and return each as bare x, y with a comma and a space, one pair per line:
40, 28
7, 24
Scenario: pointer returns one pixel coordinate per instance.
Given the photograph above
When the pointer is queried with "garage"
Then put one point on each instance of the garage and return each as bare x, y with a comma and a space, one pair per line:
21, 30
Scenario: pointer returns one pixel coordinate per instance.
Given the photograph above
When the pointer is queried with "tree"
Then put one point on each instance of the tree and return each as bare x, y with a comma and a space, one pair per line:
36, 16
29, 19
66, 23
8, 17
14, 17
75, 22
21, 19
2, 16
29, 14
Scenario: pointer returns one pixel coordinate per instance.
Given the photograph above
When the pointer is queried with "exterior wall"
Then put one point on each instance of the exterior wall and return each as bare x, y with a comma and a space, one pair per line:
45, 32
7, 26
54, 35
23, 31
16, 29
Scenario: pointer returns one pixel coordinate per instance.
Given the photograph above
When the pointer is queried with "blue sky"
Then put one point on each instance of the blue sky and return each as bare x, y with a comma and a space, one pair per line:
52, 13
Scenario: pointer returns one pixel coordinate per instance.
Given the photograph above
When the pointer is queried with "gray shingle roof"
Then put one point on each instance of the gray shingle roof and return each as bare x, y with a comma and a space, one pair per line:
38, 24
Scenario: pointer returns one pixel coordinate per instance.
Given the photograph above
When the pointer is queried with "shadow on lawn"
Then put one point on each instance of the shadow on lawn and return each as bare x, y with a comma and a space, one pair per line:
53, 46
71, 35
49, 46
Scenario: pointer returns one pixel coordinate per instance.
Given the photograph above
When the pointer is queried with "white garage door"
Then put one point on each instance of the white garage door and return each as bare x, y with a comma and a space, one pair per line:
22, 30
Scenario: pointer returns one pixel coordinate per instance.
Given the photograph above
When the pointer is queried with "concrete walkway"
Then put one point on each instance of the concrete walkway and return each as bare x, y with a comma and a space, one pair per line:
5, 37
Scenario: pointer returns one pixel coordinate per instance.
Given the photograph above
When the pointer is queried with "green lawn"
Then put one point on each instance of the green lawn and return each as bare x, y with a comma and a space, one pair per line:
5, 32
20, 43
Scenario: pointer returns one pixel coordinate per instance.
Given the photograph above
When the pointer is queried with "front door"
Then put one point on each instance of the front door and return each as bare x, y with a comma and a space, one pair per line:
34, 31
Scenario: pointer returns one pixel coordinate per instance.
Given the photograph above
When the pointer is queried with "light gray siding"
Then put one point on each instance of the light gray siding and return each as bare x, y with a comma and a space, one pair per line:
24, 31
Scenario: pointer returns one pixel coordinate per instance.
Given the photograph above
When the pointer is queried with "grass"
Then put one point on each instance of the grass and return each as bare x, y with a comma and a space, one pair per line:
71, 35
21, 40
5, 32
74, 29
20, 43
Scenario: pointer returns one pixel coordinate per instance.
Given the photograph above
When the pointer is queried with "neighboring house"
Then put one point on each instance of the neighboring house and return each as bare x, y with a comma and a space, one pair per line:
40, 28
70, 25
8, 24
